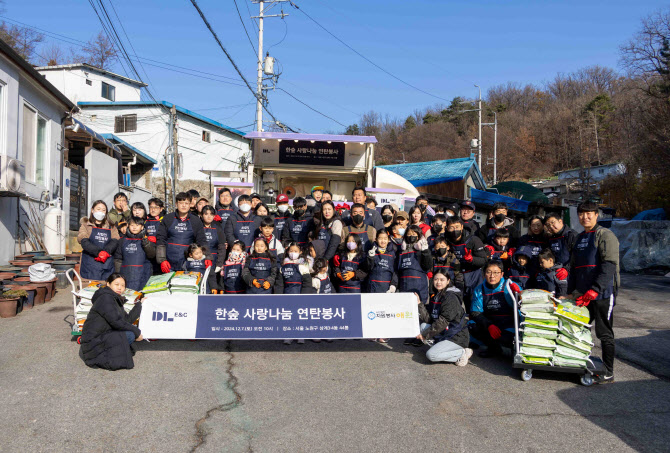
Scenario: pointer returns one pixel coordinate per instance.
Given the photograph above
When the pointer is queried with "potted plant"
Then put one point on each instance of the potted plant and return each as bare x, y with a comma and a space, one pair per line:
9, 301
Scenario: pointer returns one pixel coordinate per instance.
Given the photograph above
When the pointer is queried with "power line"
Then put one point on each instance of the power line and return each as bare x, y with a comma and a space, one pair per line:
218, 41
311, 108
245, 30
364, 57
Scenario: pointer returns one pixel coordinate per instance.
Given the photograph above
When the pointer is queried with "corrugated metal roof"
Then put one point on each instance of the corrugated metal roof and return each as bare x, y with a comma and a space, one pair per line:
434, 171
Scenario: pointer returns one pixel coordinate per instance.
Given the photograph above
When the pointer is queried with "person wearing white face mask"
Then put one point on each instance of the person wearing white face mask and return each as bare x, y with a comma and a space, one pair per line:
281, 215
242, 225
294, 275
98, 239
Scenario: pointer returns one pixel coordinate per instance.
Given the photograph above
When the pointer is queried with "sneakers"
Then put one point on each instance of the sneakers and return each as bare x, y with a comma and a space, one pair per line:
408, 341
288, 341
317, 341
467, 353
301, 341
491, 351
606, 378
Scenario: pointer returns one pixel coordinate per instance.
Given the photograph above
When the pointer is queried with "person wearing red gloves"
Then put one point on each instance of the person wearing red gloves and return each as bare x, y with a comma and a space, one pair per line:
594, 279
492, 310
98, 238
176, 232
156, 213
551, 276
134, 254
470, 252
197, 261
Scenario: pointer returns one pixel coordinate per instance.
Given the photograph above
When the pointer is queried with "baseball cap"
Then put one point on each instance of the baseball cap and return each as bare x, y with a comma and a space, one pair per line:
317, 188
468, 204
453, 207
402, 214
255, 195
282, 198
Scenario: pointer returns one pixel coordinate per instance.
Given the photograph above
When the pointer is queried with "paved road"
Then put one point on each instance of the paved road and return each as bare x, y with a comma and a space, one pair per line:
348, 396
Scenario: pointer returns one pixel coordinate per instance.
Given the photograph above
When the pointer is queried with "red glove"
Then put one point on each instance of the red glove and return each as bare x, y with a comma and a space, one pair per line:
514, 287
217, 218
208, 263
511, 252
494, 331
165, 267
562, 274
337, 261
490, 249
102, 256
151, 239
584, 300
468, 255
430, 274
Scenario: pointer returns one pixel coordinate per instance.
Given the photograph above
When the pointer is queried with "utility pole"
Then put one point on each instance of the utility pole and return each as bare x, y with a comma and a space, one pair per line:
494, 124
479, 135
260, 89
175, 155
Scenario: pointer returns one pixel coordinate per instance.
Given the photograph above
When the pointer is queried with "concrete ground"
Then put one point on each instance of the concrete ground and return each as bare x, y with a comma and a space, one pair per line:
349, 396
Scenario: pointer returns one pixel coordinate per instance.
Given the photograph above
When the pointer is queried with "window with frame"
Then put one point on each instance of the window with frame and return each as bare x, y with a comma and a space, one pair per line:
125, 123
35, 145
89, 82
206, 137
108, 91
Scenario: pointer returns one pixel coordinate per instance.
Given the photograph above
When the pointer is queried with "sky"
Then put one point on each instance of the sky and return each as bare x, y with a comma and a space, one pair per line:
443, 48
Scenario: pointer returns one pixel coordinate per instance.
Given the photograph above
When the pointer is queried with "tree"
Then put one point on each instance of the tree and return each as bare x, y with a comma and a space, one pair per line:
23, 40
100, 52
353, 130
410, 123
52, 55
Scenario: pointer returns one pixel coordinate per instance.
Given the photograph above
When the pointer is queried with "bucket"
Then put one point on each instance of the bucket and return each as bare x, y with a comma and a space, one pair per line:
61, 280
8, 307
40, 293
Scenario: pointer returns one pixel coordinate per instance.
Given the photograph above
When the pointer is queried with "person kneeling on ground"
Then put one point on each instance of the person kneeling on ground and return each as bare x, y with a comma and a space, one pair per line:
492, 306
444, 323
108, 332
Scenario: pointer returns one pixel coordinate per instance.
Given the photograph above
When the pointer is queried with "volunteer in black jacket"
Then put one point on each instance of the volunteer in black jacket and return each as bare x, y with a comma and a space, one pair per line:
470, 252
176, 232
108, 331
224, 207
297, 226
444, 323
242, 225
372, 217
594, 278
561, 239
498, 219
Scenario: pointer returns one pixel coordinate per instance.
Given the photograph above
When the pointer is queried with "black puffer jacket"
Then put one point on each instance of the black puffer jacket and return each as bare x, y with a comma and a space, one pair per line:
103, 340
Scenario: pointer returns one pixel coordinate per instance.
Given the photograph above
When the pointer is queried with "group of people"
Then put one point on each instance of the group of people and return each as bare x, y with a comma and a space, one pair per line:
458, 269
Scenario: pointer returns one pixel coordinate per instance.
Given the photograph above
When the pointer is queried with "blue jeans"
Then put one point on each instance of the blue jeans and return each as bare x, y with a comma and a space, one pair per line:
130, 336
443, 351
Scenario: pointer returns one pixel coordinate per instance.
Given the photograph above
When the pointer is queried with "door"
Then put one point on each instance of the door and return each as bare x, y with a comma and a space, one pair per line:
78, 194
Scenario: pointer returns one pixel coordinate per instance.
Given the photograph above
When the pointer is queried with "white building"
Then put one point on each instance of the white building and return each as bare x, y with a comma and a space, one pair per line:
32, 112
595, 173
203, 143
82, 82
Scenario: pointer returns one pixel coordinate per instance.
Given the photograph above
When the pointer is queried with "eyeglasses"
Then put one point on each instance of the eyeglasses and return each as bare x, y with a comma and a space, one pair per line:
493, 273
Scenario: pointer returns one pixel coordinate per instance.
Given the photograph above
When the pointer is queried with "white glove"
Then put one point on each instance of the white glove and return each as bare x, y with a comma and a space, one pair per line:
391, 289
421, 244
218, 269
372, 251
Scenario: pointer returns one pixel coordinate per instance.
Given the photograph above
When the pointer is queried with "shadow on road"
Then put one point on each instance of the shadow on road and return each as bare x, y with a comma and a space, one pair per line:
649, 352
636, 411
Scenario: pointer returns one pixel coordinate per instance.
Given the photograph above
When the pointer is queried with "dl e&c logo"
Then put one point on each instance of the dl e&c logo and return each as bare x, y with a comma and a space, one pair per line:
161, 316
371, 315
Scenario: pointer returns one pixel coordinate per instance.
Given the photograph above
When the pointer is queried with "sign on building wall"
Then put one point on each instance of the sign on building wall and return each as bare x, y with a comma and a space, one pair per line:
308, 153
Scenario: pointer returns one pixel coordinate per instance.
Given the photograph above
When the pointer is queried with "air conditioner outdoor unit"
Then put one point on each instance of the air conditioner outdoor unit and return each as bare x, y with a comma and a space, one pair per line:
12, 175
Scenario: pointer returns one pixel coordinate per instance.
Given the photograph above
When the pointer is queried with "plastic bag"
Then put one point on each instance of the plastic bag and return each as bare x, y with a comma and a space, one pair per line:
570, 353
563, 361
537, 308
566, 341
535, 296
575, 331
542, 333
536, 352
571, 312
540, 316
538, 342
538, 324
535, 360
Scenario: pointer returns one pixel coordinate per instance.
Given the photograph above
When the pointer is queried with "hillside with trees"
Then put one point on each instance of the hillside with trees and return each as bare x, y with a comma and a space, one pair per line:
595, 114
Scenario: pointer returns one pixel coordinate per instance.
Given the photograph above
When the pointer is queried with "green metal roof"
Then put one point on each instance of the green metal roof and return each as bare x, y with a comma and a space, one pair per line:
521, 190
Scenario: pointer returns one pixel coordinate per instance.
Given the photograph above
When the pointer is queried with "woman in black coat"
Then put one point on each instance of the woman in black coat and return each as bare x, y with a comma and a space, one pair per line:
108, 331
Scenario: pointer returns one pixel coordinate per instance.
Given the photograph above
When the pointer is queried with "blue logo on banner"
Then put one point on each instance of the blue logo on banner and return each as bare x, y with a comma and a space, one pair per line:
371, 315
161, 316
279, 316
